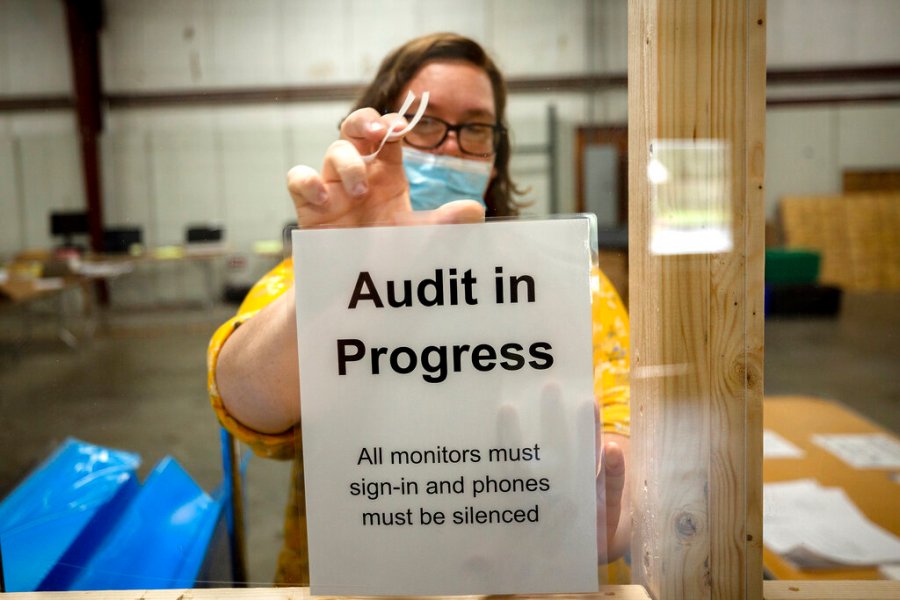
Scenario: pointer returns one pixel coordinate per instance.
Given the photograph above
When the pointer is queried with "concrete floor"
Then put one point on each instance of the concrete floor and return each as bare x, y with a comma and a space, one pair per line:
854, 359
139, 384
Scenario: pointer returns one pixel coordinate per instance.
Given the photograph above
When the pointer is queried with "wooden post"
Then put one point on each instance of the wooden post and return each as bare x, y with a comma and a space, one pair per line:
696, 75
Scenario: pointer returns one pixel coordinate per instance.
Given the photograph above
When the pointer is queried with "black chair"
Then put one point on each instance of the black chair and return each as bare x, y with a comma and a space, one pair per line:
120, 240
202, 234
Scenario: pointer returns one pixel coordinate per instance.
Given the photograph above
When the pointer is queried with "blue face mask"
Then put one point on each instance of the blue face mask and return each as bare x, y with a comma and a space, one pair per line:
435, 179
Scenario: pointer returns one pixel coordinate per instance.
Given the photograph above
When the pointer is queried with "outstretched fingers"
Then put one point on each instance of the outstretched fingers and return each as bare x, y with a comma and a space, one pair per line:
612, 480
344, 164
306, 187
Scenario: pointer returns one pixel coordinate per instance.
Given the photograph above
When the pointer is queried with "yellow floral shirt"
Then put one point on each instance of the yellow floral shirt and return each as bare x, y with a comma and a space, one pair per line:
611, 362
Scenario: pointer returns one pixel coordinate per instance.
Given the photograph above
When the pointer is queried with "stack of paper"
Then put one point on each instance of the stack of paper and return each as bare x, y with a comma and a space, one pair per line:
818, 527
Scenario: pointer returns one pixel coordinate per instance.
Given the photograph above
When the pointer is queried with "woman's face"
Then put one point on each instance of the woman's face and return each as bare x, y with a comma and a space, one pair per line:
459, 92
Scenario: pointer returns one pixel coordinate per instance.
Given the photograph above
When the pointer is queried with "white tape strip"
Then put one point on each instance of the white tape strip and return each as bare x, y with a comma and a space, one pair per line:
395, 134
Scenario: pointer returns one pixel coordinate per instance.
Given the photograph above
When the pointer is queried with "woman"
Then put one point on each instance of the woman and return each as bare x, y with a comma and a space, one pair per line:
253, 378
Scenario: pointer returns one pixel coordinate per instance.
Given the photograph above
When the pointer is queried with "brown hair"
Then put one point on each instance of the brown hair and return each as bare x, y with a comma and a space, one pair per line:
402, 64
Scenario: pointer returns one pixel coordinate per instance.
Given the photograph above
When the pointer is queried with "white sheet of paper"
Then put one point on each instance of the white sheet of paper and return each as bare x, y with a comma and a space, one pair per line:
862, 450
820, 527
776, 446
403, 461
47, 284
890, 571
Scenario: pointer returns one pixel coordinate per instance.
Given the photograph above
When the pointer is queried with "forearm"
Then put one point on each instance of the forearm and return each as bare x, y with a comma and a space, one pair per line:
257, 371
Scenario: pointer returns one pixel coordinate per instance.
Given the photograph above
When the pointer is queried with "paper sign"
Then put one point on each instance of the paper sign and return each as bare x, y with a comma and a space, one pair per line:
447, 408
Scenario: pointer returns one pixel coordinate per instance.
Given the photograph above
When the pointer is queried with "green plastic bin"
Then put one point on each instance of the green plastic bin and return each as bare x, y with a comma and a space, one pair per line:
792, 266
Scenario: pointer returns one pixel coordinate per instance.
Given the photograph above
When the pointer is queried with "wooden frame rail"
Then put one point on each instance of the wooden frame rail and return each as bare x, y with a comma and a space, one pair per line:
772, 590
697, 73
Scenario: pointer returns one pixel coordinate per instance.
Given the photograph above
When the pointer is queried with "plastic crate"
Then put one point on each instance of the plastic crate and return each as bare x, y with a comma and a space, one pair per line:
792, 266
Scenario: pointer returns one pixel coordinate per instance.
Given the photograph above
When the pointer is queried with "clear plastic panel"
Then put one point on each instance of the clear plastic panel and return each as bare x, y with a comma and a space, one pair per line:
449, 431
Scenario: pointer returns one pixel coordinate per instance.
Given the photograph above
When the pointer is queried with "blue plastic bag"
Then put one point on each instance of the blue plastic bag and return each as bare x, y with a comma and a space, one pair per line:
159, 541
44, 515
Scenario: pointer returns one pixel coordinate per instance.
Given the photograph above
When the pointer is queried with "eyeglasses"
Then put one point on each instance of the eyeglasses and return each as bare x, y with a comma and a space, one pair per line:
478, 139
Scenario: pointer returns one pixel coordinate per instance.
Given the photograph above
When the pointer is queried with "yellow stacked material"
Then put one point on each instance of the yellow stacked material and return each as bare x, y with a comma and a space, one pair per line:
889, 209
858, 236
872, 180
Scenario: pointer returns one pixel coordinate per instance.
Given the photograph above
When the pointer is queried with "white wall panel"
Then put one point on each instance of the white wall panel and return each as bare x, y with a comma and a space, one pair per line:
34, 51
246, 42
877, 26
164, 171
311, 129
10, 201
169, 168
157, 44
466, 17
51, 180
163, 44
254, 188
807, 149
123, 46
536, 37
608, 43
801, 154
832, 32
376, 28
40, 171
869, 136
529, 172
24, 124
609, 106
128, 189
315, 42
186, 182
